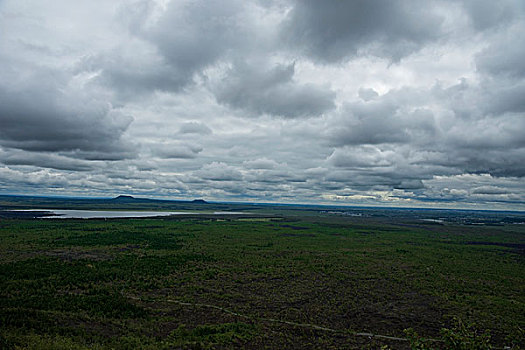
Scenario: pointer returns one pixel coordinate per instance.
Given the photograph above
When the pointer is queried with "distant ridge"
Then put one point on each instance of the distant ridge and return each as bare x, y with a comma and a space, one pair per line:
123, 198
127, 198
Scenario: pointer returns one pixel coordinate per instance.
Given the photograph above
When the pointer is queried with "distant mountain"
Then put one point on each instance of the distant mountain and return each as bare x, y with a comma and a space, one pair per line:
124, 198
199, 201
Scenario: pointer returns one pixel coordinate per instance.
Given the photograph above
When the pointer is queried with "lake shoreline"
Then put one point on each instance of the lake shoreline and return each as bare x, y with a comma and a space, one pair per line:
111, 214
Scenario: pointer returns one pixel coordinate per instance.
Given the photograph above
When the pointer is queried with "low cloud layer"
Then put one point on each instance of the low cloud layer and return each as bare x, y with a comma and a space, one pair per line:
393, 103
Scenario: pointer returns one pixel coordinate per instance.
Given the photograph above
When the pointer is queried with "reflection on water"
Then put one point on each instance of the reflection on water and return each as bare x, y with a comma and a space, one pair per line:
87, 214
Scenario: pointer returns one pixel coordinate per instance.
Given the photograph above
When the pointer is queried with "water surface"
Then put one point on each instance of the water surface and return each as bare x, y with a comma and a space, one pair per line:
88, 214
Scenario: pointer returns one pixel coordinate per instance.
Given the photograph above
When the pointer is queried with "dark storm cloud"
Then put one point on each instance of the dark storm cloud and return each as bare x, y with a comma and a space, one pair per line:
332, 30
194, 34
272, 91
184, 39
40, 111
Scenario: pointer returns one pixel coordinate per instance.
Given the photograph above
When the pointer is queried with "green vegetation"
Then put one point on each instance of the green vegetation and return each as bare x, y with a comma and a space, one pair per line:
255, 283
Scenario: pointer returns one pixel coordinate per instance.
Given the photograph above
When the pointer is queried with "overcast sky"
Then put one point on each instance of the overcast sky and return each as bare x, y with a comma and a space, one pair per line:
364, 102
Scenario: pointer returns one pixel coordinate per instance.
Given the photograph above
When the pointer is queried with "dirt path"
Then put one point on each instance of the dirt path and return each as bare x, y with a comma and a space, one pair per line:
295, 324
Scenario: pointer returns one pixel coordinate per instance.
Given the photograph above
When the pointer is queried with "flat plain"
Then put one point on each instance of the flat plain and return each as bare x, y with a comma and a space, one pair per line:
302, 278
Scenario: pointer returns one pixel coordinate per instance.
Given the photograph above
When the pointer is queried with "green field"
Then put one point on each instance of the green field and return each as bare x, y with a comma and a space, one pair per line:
291, 282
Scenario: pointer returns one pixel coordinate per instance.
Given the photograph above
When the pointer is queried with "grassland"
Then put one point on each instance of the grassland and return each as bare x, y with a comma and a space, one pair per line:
291, 282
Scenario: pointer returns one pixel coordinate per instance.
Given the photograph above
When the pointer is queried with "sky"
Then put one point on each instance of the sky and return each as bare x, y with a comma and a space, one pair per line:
367, 102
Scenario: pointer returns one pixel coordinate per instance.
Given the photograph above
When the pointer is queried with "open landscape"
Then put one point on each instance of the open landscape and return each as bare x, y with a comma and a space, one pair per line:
292, 277
262, 174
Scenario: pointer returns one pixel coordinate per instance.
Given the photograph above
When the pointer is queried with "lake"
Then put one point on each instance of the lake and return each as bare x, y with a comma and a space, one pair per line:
89, 214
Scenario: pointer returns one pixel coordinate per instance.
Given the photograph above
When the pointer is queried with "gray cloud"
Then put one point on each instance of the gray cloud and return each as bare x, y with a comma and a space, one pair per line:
131, 75
191, 35
461, 187
504, 55
410, 184
489, 190
367, 94
411, 144
331, 31
362, 157
44, 110
382, 120
219, 171
486, 14
174, 151
44, 160
194, 128
364, 102
262, 163
273, 91
507, 98
172, 44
